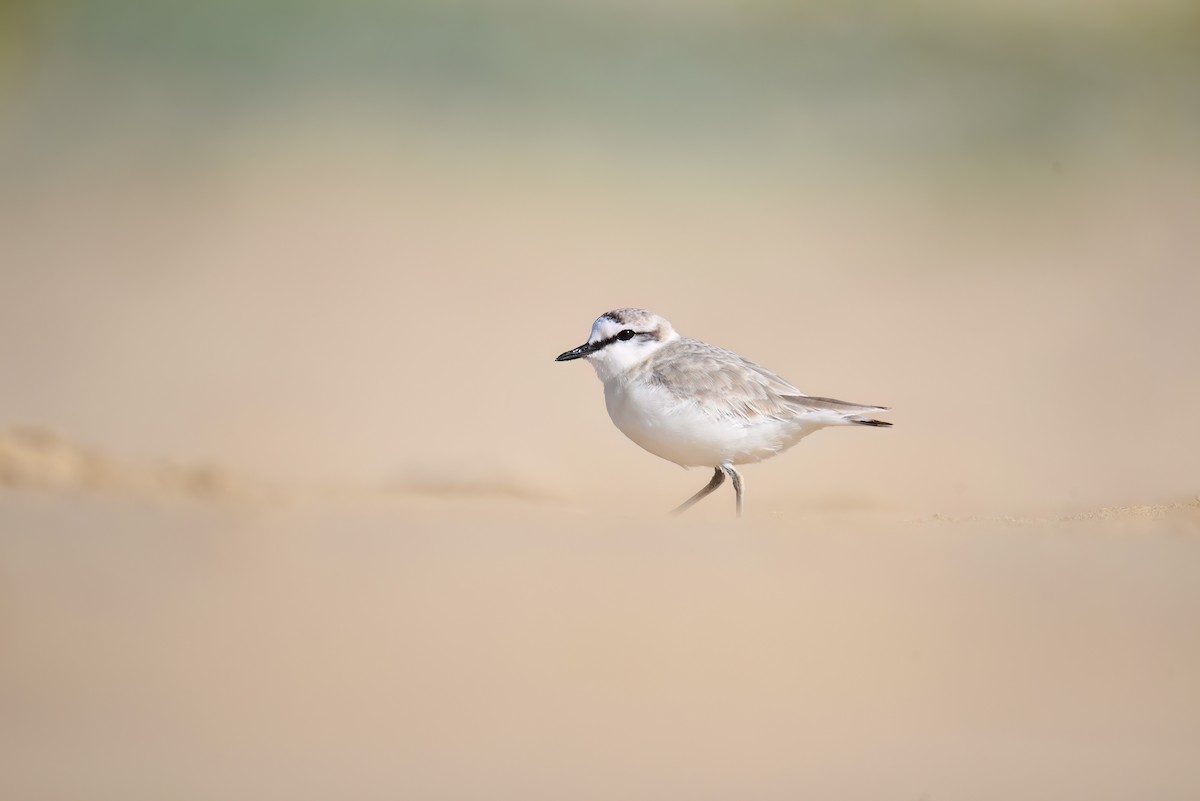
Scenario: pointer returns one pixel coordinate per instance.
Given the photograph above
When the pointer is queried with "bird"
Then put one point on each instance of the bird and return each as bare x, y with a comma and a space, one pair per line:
700, 405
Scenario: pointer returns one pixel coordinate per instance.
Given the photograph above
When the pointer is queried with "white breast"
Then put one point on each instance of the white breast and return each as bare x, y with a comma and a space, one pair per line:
682, 432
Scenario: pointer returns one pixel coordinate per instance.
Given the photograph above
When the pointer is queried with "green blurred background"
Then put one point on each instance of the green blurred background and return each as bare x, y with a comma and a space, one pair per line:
997, 91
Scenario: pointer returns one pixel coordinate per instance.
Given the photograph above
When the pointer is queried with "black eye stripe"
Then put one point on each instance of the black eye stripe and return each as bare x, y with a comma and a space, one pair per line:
604, 343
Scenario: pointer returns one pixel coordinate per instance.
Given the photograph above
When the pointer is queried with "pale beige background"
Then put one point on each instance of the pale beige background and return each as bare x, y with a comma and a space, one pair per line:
296, 503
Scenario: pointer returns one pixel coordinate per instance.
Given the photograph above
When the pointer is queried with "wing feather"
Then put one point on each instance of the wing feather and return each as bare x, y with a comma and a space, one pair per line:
728, 386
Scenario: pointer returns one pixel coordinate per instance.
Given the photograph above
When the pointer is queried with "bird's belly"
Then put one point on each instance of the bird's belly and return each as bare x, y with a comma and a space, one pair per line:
682, 433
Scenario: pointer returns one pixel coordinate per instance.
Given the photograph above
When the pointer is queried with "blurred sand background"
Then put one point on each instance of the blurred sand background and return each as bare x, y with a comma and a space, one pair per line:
294, 502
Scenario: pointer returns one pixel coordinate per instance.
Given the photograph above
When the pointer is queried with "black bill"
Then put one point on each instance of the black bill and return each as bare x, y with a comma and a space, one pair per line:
576, 353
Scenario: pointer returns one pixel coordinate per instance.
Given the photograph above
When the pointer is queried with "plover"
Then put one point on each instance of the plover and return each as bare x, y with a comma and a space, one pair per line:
699, 405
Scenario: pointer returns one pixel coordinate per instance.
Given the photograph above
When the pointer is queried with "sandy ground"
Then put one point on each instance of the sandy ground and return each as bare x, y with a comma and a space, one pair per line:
428, 648
296, 503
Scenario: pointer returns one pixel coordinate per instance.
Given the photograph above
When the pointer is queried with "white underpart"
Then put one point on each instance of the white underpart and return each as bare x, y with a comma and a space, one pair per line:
685, 434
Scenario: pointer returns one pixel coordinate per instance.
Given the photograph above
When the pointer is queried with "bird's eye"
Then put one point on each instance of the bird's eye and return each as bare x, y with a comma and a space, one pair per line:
625, 335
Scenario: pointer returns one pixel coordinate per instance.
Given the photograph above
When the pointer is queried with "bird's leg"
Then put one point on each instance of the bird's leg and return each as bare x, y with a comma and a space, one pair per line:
717, 480
737, 484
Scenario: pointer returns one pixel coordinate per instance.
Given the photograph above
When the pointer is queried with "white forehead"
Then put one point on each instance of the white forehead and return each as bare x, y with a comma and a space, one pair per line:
603, 328
617, 320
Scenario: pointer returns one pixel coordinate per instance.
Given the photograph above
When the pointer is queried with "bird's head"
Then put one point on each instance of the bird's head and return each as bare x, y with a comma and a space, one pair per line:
621, 339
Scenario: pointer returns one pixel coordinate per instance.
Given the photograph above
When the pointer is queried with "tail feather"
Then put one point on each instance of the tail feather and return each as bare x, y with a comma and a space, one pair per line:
844, 411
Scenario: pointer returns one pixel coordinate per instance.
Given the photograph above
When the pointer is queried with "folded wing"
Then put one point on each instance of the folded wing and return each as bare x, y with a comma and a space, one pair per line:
725, 385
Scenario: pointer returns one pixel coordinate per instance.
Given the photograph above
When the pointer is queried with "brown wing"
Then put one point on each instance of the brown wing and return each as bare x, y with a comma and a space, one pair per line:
726, 385
720, 382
